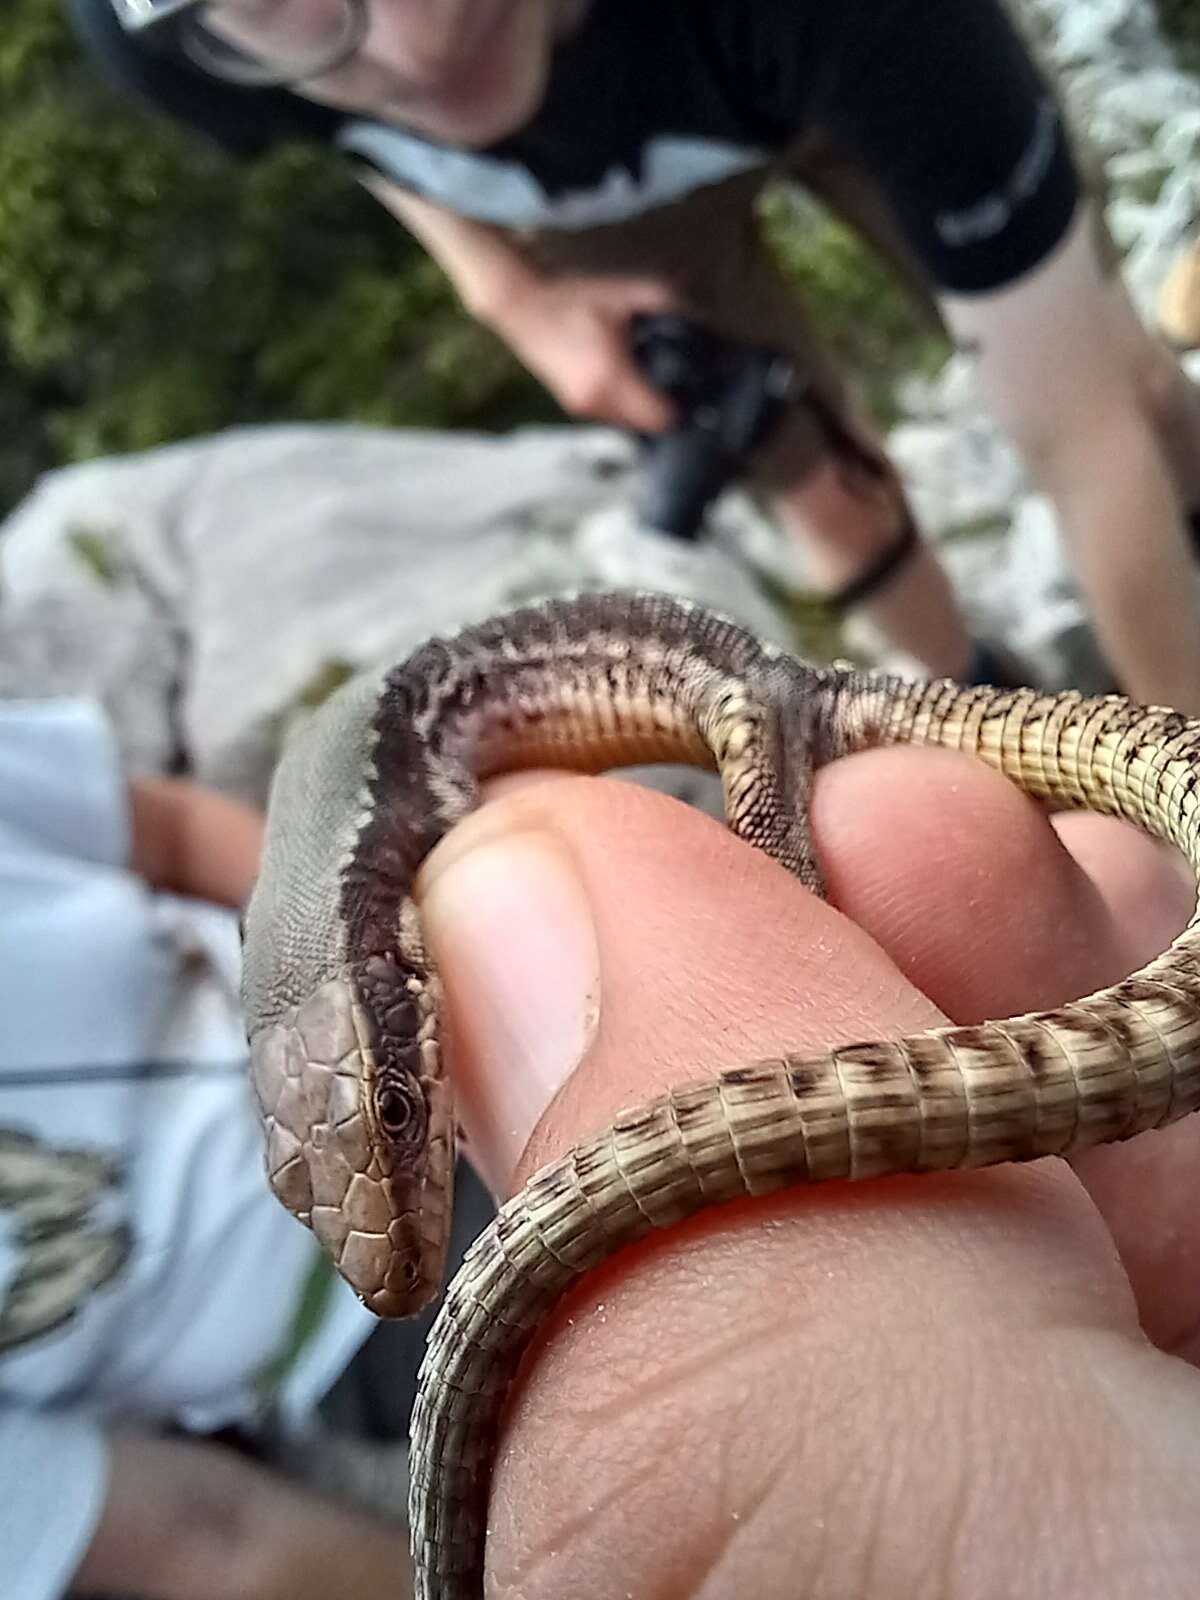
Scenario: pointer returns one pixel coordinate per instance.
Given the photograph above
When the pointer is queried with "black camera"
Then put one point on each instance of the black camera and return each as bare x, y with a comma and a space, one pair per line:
729, 398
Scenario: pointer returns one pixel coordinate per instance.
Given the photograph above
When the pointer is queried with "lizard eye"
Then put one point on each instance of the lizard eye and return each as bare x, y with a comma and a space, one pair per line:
400, 1112
394, 1110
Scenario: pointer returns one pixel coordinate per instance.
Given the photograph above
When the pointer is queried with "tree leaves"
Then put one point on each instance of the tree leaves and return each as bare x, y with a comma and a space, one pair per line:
151, 288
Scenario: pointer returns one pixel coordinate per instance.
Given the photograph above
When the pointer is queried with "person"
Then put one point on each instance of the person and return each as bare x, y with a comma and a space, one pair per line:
155, 1299
570, 164
974, 1384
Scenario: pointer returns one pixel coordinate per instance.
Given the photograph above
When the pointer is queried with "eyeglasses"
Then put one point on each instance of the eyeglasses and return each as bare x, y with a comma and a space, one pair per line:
291, 42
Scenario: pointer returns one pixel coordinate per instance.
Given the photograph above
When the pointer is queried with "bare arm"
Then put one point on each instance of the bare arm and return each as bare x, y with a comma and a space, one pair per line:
194, 841
1071, 376
571, 331
185, 1520
481, 264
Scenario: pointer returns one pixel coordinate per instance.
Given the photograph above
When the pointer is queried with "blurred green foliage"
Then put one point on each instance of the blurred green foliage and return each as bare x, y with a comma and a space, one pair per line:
151, 289
1180, 21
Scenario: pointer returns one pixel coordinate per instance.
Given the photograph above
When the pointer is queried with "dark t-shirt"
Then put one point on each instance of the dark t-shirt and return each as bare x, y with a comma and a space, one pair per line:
651, 99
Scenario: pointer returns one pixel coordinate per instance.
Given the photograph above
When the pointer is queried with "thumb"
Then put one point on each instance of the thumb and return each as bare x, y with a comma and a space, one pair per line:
600, 943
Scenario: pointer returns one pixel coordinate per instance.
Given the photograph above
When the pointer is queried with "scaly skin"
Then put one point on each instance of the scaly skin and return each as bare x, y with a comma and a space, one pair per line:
342, 1006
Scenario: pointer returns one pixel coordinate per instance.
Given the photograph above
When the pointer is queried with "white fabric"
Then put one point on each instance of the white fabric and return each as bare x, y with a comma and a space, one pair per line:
146, 1272
491, 189
55, 1474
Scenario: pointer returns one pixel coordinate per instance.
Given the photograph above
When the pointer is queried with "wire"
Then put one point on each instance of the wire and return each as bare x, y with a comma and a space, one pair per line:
31, 1077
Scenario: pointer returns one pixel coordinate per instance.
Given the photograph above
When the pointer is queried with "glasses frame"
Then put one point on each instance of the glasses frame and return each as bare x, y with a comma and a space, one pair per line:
179, 21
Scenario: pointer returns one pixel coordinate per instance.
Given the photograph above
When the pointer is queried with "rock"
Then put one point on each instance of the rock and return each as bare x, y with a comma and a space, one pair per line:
209, 593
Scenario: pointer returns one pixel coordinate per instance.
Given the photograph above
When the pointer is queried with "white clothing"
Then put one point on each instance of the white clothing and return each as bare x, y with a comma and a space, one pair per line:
147, 1274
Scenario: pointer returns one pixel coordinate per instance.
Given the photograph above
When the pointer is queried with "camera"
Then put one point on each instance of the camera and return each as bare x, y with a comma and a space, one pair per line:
729, 398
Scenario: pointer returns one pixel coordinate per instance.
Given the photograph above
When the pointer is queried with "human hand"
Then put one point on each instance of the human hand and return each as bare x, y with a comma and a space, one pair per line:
948, 1382
573, 334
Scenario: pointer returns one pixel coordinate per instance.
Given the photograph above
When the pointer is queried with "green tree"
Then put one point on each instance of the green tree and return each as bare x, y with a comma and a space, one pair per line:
151, 288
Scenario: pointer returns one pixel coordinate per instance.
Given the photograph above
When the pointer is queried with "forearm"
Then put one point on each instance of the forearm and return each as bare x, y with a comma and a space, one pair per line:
1069, 374
194, 841
185, 1520
571, 330
1122, 524
483, 266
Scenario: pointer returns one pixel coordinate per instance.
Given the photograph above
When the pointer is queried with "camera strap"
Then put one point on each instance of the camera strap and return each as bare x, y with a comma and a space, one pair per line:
878, 574
846, 448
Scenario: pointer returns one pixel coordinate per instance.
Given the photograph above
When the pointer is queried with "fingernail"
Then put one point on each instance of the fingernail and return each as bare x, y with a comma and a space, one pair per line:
510, 927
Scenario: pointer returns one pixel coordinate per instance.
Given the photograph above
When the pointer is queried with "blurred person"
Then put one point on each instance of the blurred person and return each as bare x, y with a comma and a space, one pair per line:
570, 164
154, 1296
